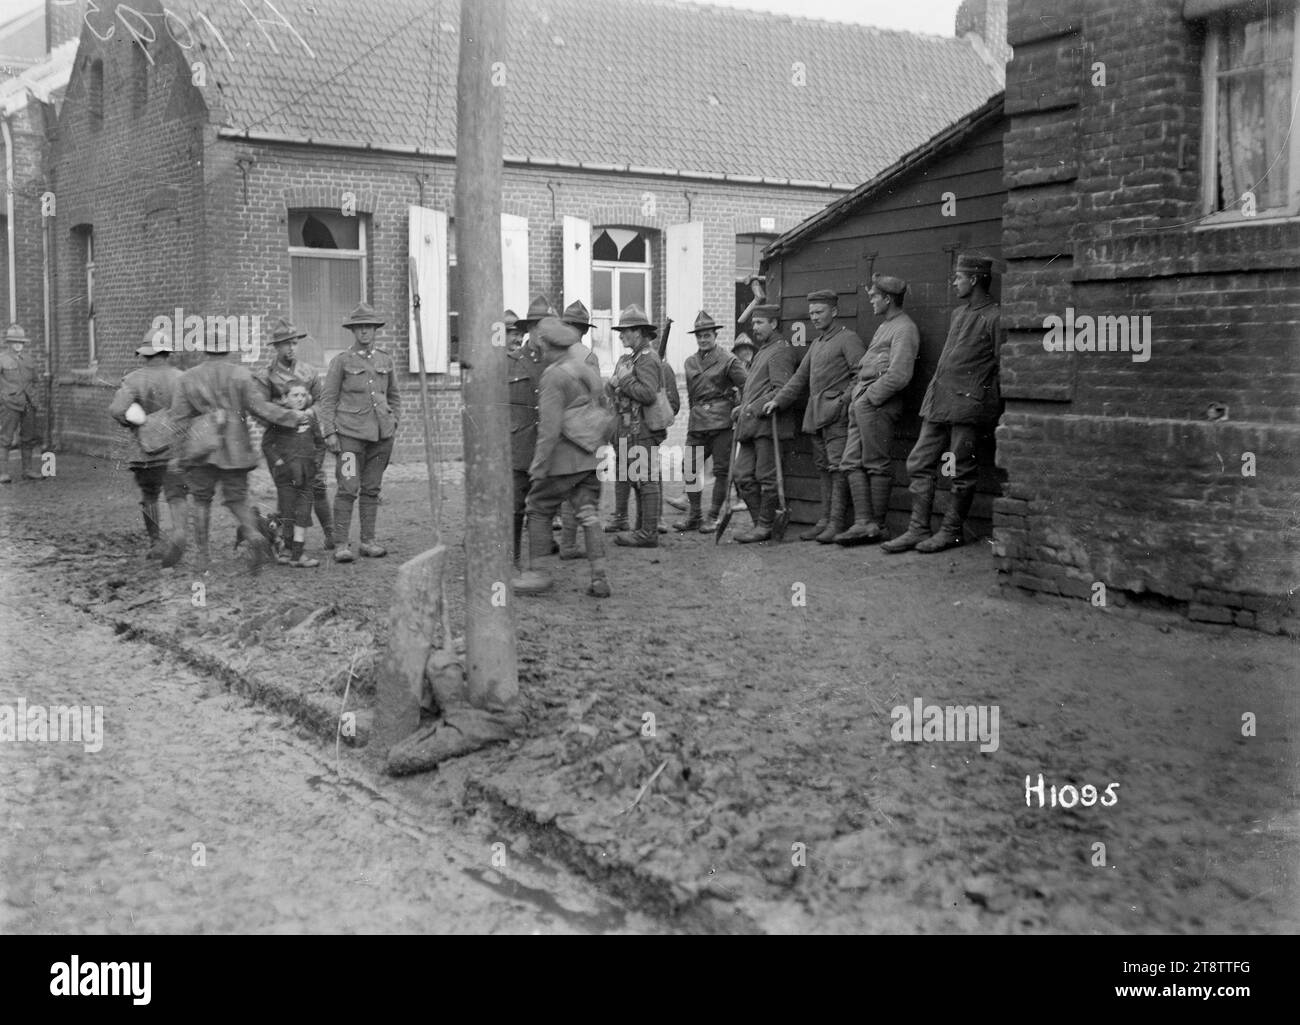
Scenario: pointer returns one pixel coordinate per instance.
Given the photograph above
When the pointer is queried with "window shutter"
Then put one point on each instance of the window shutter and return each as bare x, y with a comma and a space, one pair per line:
577, 261
684, 277
514, 263
427, 242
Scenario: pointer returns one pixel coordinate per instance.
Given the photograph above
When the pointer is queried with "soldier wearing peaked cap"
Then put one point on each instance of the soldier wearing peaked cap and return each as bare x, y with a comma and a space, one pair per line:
524, 368
963, 399
360, 406
151, 389
274, 380
825, 377
875, 408
18, 377
713, 380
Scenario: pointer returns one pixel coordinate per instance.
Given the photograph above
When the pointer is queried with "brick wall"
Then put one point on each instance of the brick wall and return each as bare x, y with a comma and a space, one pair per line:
1121, 471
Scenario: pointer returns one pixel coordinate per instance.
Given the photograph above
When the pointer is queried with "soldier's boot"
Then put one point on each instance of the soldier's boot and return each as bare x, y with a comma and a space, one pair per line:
173, 545
647, 513
343, 527
864, 529
951, 532
369, 547
534, 579
677, 503
595, 538
149, 510
622, 495
662, 527
762, 528
839, 514
569, 533
325, 517
692, 521
881, 487
299, 560
823, 515
710, 522
202, 556
918, 528
751, 494
259, 548
28, 472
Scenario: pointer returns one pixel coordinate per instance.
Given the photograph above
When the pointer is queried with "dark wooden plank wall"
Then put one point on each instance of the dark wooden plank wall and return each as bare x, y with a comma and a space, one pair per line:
902, 231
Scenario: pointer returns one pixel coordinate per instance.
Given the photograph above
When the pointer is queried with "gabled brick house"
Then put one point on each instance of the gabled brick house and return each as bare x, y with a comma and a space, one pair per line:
283, 160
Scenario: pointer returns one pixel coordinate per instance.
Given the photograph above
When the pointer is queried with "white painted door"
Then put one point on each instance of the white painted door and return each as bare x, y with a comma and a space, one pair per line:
514, 263
684, 277
427, 242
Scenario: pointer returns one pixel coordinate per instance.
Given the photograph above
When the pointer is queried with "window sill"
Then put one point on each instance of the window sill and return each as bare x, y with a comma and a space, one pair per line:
1241, 244
1219, 221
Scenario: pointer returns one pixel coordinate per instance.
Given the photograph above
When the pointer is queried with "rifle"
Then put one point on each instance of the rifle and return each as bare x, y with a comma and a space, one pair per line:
663, 337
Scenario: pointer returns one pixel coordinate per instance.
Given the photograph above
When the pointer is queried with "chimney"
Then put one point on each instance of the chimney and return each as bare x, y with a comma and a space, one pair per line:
983, 24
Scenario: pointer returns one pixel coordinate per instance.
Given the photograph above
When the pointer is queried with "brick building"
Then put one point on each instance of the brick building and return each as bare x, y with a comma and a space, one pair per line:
1154, 185
247, 159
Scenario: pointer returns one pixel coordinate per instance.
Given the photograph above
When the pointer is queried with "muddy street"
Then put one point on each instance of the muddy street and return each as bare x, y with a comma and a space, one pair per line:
194, 811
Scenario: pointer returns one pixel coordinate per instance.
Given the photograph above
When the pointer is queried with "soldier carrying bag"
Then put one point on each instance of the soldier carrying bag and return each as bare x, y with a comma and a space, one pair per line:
590, 425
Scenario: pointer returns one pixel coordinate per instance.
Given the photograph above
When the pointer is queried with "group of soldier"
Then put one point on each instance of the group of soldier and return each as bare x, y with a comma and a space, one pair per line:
190, 435
852, 395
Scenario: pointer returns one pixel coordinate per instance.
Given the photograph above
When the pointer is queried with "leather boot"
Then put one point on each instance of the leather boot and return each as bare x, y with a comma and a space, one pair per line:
692, 521
918, 528
569, 533
595, 538
647, 513
751, 493
369, 513
864, 529
533, 579
325, 518
622, 495
150, 512
823, 516
172, 549
202, 557
28, 472
951, 532
881, 486
762, 529
839, 510
343, 527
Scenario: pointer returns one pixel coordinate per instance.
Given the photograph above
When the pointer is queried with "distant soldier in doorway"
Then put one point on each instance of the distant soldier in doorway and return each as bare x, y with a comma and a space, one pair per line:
18, 422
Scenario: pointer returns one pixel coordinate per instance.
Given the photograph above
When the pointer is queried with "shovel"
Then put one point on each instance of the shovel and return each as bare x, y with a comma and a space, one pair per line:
725, 518
782, 519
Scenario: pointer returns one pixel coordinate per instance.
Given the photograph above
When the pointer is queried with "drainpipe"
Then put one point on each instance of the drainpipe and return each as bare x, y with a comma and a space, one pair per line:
50, 354
9, 215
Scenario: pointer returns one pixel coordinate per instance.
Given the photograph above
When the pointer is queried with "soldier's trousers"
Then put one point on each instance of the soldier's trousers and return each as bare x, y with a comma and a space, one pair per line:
153, 479
367, 465
936, 440
828, 445
582, 491
18, 426
715, 445
871, 434
755, 472
203, 480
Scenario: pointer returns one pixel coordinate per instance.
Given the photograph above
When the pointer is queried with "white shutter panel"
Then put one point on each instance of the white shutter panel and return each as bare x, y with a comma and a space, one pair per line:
514, 263
684, 275
427, 242
577, 261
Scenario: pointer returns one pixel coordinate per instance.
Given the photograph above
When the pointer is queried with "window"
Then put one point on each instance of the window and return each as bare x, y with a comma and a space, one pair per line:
96, 93
327, 257
85, 238
453, 298
620, 276
749, 252
1251, 153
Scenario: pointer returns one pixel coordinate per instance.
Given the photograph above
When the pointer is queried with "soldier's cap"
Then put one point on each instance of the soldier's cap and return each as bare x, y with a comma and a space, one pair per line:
363, 316
553, 331
538, 307
634, 316
772, 311
970, 263
511, 320
744, 342
824, 295
888, 284
283, 331
155, 341
15, 333
703, 322
577, 314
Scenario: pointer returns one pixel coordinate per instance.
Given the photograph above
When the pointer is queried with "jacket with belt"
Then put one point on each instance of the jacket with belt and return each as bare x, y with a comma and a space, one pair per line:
825, 376
566, 384
773, 367
637, 381
360, 398
222, 385
712, 380
153, 386
886, 369
964, 389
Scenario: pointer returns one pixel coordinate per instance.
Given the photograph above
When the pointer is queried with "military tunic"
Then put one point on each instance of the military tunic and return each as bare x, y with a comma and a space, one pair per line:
713, 379
153, 386
18, 383
774, 365
360, 398
826, 376
877, 402
964, 389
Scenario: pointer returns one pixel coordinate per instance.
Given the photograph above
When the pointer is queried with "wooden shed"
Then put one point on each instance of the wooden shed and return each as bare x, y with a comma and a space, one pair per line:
911, 221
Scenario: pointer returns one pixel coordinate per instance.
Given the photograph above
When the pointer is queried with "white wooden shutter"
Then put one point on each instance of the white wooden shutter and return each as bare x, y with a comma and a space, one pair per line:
684, 274
427, 242
514, 263
577, 261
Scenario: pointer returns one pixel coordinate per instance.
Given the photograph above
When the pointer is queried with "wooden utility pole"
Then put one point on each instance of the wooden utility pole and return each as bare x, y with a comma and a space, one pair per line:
489, 606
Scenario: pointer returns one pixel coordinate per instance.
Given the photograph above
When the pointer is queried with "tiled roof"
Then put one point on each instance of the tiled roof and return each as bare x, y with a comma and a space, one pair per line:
651, 83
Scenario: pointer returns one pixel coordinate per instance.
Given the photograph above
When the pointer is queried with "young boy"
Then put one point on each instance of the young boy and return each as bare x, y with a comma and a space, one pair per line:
295, 454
